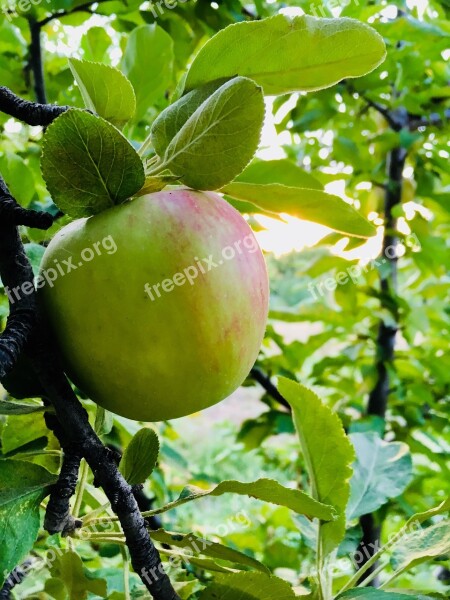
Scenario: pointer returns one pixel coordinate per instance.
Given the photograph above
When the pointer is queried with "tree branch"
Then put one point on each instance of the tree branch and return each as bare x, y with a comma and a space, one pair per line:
16, 577
64, 13
270, 388
29, 112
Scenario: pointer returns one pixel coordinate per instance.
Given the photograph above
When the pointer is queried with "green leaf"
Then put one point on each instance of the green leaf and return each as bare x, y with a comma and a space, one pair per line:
286, 55
281, 171
248, 586
88, 165
23, 485
10, 407
311, 205
156, 183
19, 431
220, 138
148, 63
328, 456
68, 567
169, 122
34, 252
105, 90
206, 547
382, 470
266, 490
140, 457
421, 545
371, 594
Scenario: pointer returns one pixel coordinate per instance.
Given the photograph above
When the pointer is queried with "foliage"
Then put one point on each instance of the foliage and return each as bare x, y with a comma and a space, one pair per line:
153, 123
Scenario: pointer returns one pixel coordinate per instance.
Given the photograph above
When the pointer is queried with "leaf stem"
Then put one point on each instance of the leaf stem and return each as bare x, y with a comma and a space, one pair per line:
146, 145
126, 574
80, 489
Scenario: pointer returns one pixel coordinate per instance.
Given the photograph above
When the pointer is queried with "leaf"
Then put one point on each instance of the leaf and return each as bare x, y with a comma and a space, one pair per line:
148, 63
34, 253
155, 184
311, 205
169, 122
11, 407
105, 90
206, 547
23, 485
281, 171
328, 456
220, 138
19, 431
382, 470
248, 586
267, 490
68, 567
372, 594
286, 55
422, 545
88, 165
140, 457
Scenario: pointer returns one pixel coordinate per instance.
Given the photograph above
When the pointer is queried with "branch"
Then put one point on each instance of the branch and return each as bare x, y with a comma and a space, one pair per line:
378, 397
64, 13
16, 577
270, 388
31, 113
57, 515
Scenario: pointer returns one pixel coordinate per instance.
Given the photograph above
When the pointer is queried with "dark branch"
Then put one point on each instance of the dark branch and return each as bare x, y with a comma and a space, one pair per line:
29, 112
57, 515
35, 62
378, 397
86, 7
14, 578
270, 388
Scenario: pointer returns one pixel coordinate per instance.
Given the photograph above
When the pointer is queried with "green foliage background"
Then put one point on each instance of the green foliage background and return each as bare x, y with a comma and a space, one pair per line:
336, 135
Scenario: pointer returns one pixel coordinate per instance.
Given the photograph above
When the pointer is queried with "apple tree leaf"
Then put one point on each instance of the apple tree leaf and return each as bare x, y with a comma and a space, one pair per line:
371, 594
88, 165
282, 171
267, 490
285, 54
207, 548
422, 545
382, 470
248, 586
140, 456
105, 90
11, 407
169, 122
309, 204
148, 63
328, 456
68, 568
220, 137
23, 486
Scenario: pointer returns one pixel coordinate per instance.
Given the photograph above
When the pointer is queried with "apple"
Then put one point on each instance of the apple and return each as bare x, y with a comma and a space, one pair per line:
159, 305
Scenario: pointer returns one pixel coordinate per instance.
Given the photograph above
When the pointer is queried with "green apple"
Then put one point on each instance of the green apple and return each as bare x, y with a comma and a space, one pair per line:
159, 305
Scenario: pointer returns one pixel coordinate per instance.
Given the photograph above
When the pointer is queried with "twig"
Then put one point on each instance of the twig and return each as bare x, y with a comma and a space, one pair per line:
64, 13
270, 388
16, 577
29, 112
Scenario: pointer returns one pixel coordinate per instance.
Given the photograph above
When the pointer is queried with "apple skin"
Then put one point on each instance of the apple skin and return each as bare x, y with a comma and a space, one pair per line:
170, 356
